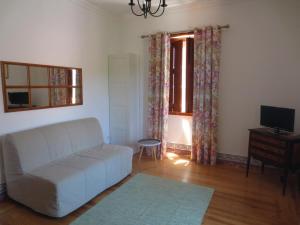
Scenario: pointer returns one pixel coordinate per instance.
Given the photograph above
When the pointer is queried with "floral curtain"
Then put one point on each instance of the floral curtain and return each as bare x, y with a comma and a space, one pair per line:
207, 43
158, 88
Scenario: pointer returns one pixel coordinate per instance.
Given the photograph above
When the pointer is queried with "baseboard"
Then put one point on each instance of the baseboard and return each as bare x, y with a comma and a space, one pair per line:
235, 159
232, 158
180, 147
2, 191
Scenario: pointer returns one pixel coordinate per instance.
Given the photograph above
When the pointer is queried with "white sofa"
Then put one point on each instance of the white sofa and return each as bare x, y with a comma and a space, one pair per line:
57, 168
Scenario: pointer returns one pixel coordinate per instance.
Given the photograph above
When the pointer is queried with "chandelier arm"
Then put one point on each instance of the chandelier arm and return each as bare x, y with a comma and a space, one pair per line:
135, 12
148, 6
141, 8
159, 14
152, 13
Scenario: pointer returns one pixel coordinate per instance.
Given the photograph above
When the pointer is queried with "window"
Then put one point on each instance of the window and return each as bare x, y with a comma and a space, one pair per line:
181, 75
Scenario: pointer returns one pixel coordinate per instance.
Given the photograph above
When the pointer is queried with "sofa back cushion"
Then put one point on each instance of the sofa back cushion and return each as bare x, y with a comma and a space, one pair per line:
33, 148
27, 148
58, 141
84, 134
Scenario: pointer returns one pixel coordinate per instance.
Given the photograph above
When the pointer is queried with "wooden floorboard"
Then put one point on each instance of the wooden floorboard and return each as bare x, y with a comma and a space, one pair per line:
237, 200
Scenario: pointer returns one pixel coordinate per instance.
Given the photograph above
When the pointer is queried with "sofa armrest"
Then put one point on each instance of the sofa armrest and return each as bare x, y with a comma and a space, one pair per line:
12, 165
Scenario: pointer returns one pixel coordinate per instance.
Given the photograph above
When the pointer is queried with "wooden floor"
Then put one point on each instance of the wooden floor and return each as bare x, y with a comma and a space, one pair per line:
237, 200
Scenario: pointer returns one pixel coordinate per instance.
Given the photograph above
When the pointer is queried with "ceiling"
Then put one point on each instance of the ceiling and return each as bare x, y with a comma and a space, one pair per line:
121, 6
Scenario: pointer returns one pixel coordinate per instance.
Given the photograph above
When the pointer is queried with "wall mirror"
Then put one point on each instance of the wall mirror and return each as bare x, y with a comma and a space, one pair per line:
31, 86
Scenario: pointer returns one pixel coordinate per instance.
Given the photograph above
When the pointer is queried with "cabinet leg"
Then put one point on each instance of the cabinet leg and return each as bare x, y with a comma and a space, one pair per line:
262, 167
285, 180
299, 182
248, 165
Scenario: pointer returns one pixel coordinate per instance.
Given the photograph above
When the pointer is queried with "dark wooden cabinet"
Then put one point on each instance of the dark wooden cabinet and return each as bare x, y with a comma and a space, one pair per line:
280, 150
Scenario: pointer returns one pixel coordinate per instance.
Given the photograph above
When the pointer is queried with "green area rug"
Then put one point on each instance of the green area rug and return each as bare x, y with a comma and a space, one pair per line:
150, 200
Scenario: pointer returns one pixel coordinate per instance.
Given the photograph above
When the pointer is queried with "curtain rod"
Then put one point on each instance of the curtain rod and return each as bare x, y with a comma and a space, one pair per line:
227, 26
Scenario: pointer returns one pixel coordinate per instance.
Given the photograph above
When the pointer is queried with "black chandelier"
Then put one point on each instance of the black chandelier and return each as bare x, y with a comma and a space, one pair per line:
145, 8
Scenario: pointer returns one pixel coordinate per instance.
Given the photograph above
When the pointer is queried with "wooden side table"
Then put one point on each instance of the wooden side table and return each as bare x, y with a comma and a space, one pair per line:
154, 144
279, 150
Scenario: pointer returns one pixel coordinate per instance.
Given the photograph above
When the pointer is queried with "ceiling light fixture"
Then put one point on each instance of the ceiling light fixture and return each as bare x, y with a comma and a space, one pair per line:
146, 8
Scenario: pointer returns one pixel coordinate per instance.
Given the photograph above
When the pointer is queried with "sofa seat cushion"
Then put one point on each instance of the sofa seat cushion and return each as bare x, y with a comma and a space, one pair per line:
94, 172
66, 190
117, 160
75, 180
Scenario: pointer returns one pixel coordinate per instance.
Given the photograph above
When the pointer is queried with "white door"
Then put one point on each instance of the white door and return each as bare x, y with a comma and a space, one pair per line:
123, 99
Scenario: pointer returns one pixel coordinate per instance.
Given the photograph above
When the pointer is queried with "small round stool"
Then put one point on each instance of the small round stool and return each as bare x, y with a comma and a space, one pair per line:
154, 144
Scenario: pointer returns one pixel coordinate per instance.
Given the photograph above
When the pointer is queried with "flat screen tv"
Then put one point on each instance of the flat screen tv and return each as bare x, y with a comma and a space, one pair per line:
18, 98
281, 119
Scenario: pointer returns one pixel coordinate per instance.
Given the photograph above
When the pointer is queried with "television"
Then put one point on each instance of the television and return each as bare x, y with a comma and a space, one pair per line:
18, 98
280, 119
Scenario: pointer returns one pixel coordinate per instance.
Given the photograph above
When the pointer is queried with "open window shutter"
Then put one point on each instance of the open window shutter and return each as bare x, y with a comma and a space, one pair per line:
175, 76
189, 74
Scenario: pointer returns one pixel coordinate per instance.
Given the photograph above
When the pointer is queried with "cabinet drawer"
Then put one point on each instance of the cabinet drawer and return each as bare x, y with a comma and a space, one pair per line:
267, 148
263, 155
268, 140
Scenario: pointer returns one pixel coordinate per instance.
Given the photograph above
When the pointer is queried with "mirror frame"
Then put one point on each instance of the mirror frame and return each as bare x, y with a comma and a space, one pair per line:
29, 86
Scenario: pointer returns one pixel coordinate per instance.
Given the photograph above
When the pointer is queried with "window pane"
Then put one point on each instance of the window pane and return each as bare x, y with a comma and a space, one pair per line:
39, 76
74, 77
189, 74
175, 76
39, 97
17, 98
181, 76
75, 94
58, 76
16, 75
59, 96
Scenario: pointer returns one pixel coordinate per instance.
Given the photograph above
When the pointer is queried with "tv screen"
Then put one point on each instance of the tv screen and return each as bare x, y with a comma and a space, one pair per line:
18, 98
278, 118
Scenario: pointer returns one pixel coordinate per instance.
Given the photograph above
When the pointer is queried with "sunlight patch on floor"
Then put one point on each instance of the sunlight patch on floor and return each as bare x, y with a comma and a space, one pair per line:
177, 160
172, 156
182, 161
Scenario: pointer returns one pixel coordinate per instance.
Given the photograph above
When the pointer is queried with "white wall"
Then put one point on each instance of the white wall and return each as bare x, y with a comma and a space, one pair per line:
260, 58
59, 32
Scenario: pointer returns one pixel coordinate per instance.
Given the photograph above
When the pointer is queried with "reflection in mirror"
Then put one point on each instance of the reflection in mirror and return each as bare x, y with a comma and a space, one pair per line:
63, 77
58, 76
65, 96
38, 76
59, 96
40, 97
17, 98
16, 75
75, 77
75, 94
